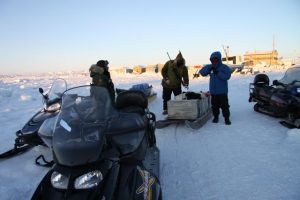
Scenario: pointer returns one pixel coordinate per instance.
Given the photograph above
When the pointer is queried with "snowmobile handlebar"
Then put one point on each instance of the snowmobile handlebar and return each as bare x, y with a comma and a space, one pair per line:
295, 81
276, 82
45, 96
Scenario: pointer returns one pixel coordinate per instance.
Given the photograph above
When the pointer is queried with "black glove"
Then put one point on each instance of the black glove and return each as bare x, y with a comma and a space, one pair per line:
214, 70
186, 86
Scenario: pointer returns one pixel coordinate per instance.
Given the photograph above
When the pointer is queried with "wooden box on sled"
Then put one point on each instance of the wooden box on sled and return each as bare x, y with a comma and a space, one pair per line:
180, 108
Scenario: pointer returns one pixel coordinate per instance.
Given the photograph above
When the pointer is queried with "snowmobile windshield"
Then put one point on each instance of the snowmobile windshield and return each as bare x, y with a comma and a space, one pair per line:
58, 87
79, 130
291, 75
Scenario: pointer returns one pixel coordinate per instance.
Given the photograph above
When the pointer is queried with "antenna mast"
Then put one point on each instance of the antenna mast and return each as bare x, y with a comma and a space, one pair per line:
226, 52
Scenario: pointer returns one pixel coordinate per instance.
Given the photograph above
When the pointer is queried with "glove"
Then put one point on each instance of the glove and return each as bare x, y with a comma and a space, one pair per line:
167, 81
195, 75
214, 70
186, 86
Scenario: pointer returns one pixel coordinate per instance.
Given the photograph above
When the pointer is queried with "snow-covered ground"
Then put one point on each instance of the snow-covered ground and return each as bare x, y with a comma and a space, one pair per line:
254, 158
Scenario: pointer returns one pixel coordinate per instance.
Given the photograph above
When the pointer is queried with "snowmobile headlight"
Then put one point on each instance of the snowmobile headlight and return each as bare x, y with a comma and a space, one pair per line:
59, 180
88, 180
298, 90
53, 107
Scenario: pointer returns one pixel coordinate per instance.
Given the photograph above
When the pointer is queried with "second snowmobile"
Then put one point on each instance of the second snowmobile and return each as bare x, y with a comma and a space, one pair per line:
282, 99
28, 136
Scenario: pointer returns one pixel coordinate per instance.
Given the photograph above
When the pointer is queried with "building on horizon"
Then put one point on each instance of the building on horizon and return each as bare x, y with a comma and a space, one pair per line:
139, 69
236, 60
258, 57
152, 68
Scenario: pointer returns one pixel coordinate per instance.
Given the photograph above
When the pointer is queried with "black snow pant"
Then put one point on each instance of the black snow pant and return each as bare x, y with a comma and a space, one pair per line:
220, 101
167, 93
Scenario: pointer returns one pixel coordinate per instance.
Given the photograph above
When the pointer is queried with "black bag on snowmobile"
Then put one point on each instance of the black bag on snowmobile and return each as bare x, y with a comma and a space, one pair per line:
145, 88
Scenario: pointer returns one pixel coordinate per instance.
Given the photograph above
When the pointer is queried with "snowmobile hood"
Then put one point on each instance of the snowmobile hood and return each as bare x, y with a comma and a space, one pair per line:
79, 130
292, 74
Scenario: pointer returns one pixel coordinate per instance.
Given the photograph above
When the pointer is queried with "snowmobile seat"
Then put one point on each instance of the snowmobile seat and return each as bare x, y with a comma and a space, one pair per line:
267, 92
132, 102
261, 80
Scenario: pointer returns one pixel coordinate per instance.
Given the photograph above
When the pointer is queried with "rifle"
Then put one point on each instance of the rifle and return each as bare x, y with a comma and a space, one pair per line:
169, 56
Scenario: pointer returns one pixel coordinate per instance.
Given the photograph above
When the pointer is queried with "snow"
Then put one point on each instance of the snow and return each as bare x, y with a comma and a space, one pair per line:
254, 158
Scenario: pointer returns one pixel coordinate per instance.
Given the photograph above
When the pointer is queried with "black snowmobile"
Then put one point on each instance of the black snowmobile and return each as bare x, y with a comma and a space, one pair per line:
28, 136
101, 151
282, 99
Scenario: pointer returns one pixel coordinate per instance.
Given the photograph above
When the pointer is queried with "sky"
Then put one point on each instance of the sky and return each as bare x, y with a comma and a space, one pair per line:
56, 35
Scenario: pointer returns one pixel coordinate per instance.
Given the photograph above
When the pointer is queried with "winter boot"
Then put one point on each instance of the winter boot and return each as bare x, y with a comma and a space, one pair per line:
227, 121
215, 120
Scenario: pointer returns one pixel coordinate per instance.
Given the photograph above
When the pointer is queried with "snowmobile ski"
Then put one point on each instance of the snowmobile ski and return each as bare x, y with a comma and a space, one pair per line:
22, 144
288, 125
15, 151
265, 110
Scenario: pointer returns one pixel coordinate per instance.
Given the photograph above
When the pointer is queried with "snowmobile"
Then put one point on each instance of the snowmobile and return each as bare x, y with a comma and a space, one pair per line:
282, 99
28, 136
102, 151
146, 88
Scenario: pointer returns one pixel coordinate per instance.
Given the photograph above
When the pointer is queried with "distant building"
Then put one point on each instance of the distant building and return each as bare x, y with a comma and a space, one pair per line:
159, 67
233, 60
129, 70
139, 69
286, 61
118, 70
152, 68
84, 73
258, 57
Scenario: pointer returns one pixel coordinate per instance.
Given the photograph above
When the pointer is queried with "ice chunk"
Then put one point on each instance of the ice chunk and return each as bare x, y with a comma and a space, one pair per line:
25, 97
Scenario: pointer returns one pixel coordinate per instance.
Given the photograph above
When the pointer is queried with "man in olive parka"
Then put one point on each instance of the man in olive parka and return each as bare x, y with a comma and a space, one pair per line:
174, 73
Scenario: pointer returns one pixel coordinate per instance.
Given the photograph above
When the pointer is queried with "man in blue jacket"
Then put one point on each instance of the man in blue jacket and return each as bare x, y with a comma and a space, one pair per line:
218, 86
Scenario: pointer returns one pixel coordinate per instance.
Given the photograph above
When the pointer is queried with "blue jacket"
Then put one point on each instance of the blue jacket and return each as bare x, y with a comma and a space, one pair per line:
218, 81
